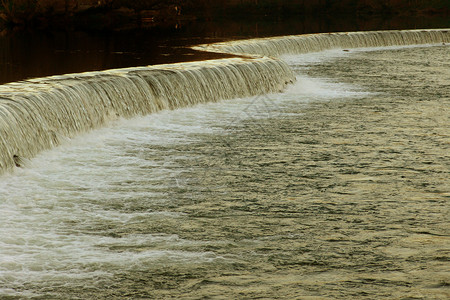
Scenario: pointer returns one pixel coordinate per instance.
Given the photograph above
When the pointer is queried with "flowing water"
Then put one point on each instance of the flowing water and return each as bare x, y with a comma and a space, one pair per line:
38, 114
337, 188
35, 53
307, 43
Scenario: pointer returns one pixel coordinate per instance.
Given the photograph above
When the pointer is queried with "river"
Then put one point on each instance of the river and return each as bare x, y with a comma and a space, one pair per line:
336, 188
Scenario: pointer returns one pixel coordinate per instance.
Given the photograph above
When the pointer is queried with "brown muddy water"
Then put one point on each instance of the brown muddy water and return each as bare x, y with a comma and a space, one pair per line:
337, 188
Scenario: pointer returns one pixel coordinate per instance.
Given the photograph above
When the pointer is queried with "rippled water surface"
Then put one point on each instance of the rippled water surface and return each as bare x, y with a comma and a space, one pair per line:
337, 188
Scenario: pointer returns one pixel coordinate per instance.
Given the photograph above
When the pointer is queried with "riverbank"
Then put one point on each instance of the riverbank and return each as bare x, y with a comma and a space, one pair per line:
88, 14
93, 15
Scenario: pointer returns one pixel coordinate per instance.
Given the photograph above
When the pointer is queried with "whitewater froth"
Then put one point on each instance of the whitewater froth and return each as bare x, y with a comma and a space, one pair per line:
39, 114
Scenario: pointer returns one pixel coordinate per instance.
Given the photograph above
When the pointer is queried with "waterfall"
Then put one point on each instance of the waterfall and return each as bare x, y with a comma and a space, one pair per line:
299, 44
38, 114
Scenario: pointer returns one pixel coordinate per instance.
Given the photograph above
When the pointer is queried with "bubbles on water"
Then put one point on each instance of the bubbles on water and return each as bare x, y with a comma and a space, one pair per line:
322, 88
76, 212
314, 58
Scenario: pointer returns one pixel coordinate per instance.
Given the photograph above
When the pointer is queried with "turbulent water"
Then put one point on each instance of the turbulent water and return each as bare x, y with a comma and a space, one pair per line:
307, 43
37, 114
337, 188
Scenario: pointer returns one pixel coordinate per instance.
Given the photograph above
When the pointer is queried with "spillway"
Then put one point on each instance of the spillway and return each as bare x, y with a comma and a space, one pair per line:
307, 43
38, 114
334, 188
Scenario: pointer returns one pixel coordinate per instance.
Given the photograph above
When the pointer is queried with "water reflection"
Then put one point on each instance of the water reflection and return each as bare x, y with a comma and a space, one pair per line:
25, 54
36, 54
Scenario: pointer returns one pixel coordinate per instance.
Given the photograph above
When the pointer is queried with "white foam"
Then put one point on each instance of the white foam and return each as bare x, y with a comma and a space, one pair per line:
56, 210
314, 57
324, 88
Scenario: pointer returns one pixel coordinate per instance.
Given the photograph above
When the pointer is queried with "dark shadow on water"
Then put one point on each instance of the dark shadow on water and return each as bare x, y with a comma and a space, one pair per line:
27, 53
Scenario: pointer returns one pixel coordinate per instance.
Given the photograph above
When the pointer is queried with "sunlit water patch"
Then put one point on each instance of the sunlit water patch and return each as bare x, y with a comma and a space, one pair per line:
336, 188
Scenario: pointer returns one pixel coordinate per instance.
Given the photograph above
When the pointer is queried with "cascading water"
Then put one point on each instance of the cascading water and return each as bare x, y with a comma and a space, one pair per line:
37, 114
335, 188
299, 44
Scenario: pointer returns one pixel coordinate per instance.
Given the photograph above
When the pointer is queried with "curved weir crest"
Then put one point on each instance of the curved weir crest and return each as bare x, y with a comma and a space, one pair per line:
38, 114
307, 43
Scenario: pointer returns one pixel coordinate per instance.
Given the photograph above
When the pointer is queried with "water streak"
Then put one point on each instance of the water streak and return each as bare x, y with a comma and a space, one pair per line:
38, 114
307, 43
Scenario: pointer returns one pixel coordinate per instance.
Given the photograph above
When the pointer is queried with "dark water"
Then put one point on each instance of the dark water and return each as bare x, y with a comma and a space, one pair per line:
336, 189
31, 53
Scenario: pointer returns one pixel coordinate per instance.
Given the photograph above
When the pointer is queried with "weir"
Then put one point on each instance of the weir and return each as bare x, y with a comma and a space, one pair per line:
38, 114
307, 43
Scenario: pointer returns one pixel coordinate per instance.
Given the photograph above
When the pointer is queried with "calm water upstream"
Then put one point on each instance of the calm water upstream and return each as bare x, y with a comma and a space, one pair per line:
337, 188
28, 54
